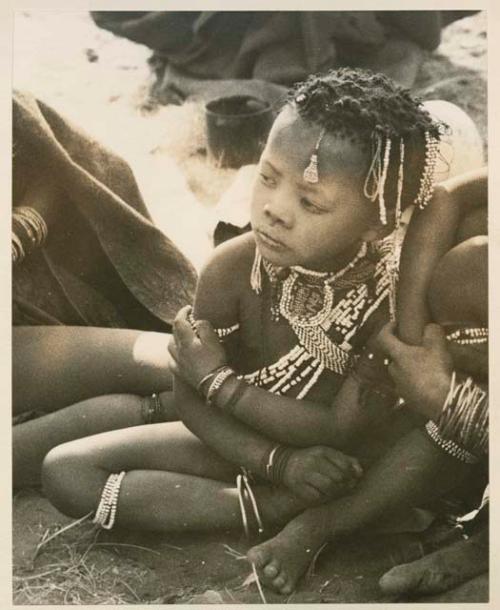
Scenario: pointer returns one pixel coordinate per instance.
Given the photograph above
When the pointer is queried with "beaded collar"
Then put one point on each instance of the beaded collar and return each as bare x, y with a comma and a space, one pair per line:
324, 328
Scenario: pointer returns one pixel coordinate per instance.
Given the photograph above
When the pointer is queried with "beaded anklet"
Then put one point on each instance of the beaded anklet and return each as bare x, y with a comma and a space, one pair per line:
244, 489
105, 515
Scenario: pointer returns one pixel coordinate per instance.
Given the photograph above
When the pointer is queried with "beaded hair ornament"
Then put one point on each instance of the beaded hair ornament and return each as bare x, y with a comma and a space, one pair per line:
374, 187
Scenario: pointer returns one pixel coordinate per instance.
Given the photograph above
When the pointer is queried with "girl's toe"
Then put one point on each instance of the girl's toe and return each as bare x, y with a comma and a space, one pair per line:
279, 582
259, 556
271, 570
287, 588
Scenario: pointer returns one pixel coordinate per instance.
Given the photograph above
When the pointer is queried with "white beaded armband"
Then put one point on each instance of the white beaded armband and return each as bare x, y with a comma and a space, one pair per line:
220, 332
448, 446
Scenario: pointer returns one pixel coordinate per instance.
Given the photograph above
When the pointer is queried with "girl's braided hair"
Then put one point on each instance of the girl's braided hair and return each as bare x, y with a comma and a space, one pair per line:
382, 116
356, 102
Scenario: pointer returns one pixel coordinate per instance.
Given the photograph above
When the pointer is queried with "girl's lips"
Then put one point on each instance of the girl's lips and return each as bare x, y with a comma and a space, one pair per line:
270, 241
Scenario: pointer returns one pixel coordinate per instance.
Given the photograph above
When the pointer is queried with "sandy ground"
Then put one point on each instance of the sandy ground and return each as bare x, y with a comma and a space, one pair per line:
101, 83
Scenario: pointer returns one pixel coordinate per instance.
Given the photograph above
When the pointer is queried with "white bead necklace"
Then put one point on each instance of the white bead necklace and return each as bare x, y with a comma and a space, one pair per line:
297, 294
316, 351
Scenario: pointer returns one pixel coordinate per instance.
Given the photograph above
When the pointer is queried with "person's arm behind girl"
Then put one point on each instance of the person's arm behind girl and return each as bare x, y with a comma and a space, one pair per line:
451, 214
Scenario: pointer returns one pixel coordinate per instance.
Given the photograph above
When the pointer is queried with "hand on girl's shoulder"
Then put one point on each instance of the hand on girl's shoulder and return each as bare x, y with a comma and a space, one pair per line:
224, 277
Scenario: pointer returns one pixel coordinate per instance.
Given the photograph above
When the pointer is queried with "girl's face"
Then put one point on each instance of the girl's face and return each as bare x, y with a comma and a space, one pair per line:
318, 226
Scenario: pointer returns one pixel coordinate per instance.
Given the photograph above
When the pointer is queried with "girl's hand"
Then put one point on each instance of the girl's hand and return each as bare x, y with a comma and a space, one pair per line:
195, 353
422, 374
317, 473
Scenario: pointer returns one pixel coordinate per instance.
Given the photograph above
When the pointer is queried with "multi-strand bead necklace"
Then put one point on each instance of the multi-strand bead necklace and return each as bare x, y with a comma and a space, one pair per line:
306, 299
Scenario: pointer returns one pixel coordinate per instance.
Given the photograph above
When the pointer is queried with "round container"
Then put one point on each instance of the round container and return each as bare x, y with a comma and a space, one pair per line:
237, 129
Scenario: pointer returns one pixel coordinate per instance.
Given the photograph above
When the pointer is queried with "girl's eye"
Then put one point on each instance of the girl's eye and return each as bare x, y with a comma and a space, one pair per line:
310, 206
267, 180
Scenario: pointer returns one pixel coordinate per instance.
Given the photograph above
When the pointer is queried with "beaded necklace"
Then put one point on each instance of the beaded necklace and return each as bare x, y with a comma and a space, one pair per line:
306, 299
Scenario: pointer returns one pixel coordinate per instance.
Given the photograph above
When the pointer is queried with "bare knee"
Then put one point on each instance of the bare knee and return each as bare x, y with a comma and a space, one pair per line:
66, 476
458, 291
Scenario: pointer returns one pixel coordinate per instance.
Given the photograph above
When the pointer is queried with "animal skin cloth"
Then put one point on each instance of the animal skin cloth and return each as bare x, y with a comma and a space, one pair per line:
104, 263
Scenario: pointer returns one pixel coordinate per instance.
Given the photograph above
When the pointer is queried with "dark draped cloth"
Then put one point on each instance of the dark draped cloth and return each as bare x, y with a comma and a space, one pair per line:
276, 46
104, 262
212, 53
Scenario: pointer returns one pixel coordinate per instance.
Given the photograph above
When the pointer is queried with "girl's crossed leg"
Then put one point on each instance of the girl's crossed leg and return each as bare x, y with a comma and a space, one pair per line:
173, 482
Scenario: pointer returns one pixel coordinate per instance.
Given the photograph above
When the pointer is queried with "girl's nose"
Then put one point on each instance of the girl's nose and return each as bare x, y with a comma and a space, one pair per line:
278, 211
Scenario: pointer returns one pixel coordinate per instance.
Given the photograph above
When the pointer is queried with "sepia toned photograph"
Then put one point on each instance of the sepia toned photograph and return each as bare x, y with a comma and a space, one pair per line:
249, 307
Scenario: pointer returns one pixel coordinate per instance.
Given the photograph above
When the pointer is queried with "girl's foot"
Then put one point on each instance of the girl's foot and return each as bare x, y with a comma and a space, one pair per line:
282, 560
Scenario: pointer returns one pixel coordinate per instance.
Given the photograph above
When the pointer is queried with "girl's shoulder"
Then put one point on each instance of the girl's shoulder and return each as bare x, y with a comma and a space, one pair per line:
224, 279
232, 259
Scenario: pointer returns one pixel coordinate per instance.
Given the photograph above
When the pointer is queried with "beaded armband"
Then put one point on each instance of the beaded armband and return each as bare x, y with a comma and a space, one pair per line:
220, 332
220, 377
225, 332
469, 336
449, 446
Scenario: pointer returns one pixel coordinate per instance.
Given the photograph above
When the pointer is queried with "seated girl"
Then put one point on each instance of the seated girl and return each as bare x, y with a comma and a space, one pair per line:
295, 302
446, 281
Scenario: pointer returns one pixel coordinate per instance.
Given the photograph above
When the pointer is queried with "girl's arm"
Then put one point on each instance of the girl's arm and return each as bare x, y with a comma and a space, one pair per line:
304, 423
431, 233
233, 440
217, 298
312, 474
288, 420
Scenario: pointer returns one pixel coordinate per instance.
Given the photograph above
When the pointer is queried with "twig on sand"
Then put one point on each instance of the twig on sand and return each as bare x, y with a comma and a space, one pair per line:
89, 548
46, 539
35, 576
132, 546
127, 586
230, 594
172, 546
312, 565
234, 553
257, 582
